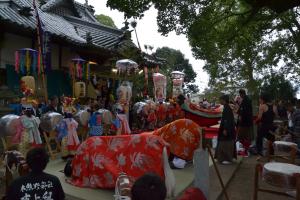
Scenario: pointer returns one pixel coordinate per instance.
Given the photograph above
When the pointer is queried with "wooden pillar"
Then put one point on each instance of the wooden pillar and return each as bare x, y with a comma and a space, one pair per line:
298, 188
60, 56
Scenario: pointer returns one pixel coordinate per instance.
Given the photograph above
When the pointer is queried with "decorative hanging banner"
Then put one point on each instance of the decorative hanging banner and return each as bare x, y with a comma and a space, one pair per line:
160, 87
126, 66
87, 70
80, 69
76, 68
177, 87
26, 61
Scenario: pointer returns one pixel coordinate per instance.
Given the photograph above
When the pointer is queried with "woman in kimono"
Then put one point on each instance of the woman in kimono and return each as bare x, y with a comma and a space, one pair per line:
225, 151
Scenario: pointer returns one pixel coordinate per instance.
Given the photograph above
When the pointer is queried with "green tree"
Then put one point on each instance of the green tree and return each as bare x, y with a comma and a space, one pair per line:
278, 87
241, 40
106, 20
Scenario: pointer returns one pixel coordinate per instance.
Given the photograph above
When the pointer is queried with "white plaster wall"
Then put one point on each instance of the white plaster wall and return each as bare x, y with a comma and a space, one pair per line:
13, 42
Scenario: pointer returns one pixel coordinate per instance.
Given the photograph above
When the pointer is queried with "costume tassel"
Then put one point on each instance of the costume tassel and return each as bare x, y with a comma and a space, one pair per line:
88, 72
39, 63
71, 71
80, 71
17, 62
34, 62
22, 60
27, 62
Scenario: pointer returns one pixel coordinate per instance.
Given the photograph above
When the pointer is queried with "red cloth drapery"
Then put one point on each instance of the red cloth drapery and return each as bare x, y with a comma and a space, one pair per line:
183, 136
99, 160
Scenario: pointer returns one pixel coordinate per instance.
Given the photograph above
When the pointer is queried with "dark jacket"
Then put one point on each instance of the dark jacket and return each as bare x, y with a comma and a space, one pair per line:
50, 108
228, 124
245, 113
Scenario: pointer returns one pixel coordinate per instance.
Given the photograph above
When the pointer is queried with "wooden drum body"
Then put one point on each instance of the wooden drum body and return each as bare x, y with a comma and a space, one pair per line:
281, 175
284, 147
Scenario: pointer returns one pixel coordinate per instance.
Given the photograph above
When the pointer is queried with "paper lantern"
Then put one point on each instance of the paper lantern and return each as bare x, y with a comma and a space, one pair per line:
29, 82
79, 88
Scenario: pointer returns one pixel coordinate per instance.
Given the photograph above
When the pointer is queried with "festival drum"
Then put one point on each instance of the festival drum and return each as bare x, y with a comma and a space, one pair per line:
8, 125
50, 120
79, 89
82, 117
106, 120
106, 116
29, 82
281, 175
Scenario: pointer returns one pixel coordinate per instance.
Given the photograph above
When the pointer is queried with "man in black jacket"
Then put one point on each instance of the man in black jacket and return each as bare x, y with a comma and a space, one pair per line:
54, 106
245, 122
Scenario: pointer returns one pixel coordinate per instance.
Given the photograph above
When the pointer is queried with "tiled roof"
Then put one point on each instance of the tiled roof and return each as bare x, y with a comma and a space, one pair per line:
71, 28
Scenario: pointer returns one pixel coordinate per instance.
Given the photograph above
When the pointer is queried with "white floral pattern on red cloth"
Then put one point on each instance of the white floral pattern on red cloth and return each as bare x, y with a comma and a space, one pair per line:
183, 136
99, 160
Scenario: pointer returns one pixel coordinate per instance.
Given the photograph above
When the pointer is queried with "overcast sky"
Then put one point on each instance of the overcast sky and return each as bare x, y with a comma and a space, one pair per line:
148, 35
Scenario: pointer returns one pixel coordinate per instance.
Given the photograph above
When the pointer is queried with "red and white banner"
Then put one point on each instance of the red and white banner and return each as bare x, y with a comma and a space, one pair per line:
177, 87
160, 86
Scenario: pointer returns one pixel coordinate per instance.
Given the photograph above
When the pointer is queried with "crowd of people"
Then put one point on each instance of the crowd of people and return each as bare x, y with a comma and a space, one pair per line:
237, 124
238, 120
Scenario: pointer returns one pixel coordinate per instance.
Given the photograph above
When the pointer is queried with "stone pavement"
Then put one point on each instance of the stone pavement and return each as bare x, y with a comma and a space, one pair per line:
242, 184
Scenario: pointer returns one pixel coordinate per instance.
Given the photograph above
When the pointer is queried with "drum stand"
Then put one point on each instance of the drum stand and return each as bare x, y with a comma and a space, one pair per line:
258, 174
290, 159
52, 138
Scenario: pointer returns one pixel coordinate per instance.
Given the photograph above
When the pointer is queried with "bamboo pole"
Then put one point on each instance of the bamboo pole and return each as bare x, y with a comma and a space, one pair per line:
45, 87
218, 172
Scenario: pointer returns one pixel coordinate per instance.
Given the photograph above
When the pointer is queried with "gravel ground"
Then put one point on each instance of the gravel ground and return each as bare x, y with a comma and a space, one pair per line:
242, 184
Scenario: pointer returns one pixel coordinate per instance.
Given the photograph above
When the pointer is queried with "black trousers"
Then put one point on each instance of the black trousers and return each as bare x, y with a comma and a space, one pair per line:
263, 132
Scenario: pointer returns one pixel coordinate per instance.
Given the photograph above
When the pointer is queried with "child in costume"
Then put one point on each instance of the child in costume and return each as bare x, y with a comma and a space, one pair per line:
125, 129
67, 134
116, 125
67, 130
95, 123
30, 136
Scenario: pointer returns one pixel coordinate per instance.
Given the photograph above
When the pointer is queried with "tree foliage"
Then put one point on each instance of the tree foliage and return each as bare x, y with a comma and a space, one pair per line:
106, 20
277, 87
242, 41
